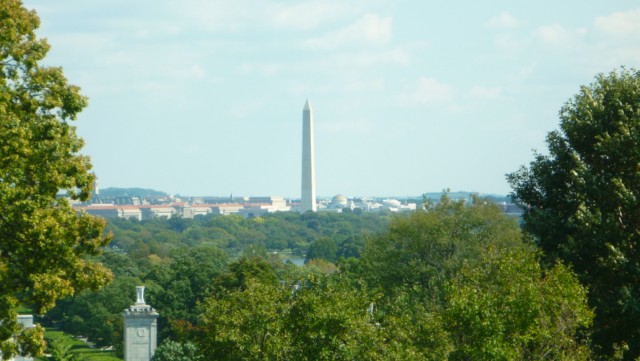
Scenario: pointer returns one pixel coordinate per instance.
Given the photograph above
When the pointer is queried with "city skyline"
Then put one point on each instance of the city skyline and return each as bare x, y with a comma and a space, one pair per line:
203, 97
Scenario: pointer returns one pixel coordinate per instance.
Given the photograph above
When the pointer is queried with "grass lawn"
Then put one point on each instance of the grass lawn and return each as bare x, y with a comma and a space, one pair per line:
84, 352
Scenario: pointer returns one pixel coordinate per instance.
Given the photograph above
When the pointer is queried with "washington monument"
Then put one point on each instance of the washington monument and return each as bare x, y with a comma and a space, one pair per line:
308, 165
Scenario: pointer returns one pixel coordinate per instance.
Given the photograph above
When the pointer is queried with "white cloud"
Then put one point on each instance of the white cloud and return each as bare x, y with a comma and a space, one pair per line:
370, 29
196, 71
620, 23
559, 36
486, 93
524, 73
307, 15
237, 15
83, 41
504, 20
510, 42
214, 14
264, 69
616, 40
395, 56
427, 91
366, 86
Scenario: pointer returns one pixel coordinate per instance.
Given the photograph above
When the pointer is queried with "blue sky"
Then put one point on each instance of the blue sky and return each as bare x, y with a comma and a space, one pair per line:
200, 97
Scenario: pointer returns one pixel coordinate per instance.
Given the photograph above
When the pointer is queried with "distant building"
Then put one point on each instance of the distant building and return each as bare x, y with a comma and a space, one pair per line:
226, 209
250, 207
340, 202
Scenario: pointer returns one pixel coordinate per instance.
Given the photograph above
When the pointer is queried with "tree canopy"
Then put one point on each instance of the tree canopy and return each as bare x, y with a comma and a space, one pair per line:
455, 282
582, 202
42, 239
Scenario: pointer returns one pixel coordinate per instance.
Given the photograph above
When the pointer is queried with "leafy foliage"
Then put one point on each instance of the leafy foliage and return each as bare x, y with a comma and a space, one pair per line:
582, 202
177, 351
426, 248
470, 290
61, 351
42, 239
504, 307
324, 248
322, 320
237, 235
458, 283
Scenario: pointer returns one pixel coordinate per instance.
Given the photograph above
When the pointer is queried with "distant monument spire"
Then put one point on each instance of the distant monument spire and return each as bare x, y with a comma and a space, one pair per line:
96, 186
308, 196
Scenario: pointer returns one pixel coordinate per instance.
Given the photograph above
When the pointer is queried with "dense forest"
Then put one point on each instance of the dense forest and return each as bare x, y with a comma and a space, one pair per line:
452, 280
291, 233
177, 260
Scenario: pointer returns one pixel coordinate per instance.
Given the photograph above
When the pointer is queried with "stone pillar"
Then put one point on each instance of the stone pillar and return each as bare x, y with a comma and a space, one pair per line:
140, 329
308, 194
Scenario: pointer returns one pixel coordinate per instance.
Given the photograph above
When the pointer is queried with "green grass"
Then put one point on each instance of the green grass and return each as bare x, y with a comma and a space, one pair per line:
84, 352
22, 310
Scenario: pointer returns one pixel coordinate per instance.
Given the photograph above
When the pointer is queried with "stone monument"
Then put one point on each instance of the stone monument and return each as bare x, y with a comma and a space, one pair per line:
308, 196
140, 329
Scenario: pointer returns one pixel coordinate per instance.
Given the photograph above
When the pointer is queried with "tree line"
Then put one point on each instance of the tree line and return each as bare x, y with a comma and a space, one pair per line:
454, 281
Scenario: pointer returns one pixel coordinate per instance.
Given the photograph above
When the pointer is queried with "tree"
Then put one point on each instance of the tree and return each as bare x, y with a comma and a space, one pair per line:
328, 319
324, 248
177, 351
244, 271
458, 282
427, 247
61, 351
503, 306
245, 323
323, 319
582, 202
42, 239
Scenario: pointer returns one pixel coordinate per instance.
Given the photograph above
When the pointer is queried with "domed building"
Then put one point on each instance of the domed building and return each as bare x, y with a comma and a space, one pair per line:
391, 204
339, 201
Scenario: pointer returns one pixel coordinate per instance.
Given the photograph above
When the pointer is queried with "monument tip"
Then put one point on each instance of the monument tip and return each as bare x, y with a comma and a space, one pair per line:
140, 294
307, 105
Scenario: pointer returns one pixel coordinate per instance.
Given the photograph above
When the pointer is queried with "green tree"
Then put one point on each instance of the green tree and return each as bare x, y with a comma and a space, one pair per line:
246, 323
324, 248
427, 247
42, 239
320, 319
177, 351
97, 314
328, 320
503, 306
458, 283
61, 351
582, 202
244, 271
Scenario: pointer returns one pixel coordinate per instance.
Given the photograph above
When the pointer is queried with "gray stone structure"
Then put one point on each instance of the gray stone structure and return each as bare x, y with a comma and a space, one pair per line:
140, 329
308, 196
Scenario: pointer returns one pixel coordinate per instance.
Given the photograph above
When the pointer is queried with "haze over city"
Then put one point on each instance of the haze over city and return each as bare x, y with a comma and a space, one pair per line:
205, 97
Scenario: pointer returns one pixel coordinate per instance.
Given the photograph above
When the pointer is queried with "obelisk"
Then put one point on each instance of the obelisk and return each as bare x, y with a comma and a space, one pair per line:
308, 196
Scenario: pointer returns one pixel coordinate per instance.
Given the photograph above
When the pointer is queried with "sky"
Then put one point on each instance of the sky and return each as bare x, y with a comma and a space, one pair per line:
205, 97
